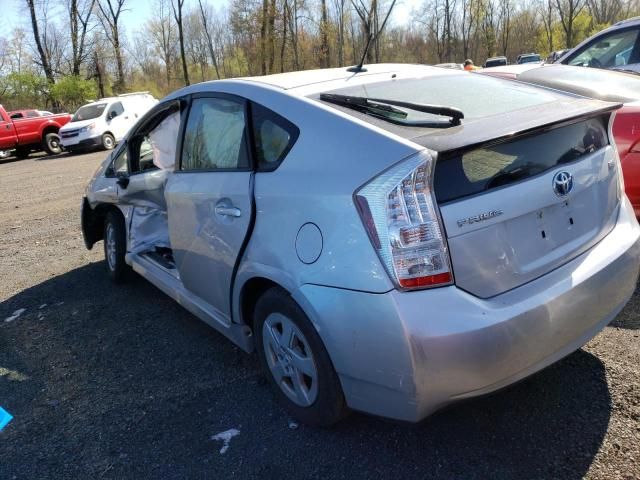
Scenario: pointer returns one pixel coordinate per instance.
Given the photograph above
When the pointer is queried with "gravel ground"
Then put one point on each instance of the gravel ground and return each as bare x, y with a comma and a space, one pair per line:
110, 381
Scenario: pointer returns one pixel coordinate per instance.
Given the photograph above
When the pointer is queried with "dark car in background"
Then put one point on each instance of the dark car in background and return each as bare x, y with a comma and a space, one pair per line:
613, 48
495, 62
528, 58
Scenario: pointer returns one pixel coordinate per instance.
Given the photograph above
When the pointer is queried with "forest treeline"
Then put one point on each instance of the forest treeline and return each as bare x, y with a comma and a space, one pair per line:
71, 51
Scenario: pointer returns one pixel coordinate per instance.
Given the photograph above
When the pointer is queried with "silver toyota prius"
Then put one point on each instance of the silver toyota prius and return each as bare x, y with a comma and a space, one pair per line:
388, 240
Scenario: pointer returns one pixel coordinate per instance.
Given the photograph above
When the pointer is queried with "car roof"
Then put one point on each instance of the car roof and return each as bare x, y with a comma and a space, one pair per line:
308, 82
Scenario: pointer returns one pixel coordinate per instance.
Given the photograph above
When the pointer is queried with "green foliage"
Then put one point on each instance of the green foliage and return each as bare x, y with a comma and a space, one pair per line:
72, 91
23, 90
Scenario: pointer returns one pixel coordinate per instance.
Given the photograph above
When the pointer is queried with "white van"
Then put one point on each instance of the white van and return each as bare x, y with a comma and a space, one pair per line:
104, 122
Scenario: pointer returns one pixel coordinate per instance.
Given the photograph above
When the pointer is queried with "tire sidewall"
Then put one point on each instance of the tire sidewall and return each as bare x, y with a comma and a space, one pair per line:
47, 139
118, 272
329, 406
108, 141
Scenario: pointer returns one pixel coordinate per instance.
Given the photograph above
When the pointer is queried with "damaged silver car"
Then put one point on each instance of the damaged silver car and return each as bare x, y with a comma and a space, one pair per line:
389, 240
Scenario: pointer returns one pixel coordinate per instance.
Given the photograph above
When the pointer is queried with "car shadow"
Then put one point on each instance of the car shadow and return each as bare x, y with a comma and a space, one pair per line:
119, 381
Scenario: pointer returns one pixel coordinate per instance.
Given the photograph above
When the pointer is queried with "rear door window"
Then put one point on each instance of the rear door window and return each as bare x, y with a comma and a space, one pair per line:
215, 135
480, 169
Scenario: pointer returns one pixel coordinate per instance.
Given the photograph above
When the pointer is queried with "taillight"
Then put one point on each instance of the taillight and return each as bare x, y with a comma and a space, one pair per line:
399, 212
616, 160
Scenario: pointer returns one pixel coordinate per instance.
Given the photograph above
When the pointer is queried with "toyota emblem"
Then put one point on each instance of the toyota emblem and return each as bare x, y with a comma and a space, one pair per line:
562, 183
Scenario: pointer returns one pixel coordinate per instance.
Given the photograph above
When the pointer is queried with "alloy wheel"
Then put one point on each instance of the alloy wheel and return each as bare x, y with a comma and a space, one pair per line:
290, 359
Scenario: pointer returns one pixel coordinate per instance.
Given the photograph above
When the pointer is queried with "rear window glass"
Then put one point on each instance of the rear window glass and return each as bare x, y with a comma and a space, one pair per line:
476, 95
485, 168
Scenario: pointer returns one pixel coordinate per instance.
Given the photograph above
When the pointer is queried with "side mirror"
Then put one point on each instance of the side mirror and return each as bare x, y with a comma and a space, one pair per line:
123, 180
112, 115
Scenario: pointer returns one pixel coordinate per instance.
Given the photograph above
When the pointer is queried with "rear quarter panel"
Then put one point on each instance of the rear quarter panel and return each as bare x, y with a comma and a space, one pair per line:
334, 155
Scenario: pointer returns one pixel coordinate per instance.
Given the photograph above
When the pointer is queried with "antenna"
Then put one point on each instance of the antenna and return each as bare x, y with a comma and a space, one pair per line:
359, 68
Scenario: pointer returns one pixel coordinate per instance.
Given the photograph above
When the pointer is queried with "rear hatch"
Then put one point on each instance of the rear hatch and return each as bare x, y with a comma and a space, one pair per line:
516, 209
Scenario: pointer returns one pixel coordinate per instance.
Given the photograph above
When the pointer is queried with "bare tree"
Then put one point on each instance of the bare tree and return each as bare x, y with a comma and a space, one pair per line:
568, 10
547, 13
177, 5
110, 16
467, 24
324, 35
207, 32
504, 17
604, 11
79, 12
45, 60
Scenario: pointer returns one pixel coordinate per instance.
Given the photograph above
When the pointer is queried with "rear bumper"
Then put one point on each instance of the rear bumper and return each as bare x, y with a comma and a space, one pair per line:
404, 355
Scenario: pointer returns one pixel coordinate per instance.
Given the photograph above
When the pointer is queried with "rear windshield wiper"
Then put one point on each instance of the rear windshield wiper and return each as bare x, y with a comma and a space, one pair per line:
382, 108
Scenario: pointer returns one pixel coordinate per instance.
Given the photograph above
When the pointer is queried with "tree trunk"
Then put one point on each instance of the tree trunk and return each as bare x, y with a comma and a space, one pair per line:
324, 36
263, 37
207, 33
44, 59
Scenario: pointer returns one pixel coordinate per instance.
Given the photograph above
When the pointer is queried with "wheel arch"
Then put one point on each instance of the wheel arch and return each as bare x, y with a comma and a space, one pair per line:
93, 221
251, 291
49, 128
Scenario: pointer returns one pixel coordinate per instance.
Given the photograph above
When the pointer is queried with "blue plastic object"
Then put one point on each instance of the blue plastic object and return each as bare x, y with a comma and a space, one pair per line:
5, 418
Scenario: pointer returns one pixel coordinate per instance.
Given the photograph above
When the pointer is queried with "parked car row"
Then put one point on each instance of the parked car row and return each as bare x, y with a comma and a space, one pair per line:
391, 242
102, 123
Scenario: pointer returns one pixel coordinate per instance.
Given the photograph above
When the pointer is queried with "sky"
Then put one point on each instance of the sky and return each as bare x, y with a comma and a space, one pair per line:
140, 10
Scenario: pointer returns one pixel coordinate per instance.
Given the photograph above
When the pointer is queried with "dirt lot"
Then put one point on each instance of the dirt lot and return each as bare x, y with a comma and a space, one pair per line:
120, 382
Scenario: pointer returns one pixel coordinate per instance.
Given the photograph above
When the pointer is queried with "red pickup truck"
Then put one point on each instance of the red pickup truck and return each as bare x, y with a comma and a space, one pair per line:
29, 134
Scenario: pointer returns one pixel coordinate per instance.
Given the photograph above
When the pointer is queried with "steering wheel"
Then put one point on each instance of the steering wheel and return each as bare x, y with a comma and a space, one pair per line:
594, 62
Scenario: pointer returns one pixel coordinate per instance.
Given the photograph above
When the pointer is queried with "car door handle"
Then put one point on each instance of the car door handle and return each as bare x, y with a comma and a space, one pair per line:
228, 211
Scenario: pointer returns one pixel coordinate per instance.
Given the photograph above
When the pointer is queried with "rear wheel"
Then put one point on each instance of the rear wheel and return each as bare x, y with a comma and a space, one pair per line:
5, 154
115, 246
108, 142
295, 361
52, 144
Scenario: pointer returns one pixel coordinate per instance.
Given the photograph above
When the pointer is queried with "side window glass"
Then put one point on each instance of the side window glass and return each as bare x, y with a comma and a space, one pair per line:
610, 51
32, 113
145, 159
214, 137
16, 116
119, 165
116, 108
154, 146
274, 136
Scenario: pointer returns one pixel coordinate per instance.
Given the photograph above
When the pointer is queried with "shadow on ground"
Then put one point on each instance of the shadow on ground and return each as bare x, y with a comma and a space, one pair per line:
112, 381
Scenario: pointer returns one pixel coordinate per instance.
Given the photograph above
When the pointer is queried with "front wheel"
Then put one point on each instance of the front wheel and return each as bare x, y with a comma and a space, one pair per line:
108, 141
115, 246
52, 144
5, 154
295, 361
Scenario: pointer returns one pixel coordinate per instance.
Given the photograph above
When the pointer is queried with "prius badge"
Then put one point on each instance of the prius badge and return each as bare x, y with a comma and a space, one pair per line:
481, 217
562, 183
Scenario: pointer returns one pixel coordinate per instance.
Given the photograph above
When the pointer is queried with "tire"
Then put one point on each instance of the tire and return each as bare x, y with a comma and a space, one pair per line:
51, 144
115, 247
108, 141
22, 153
315, 397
